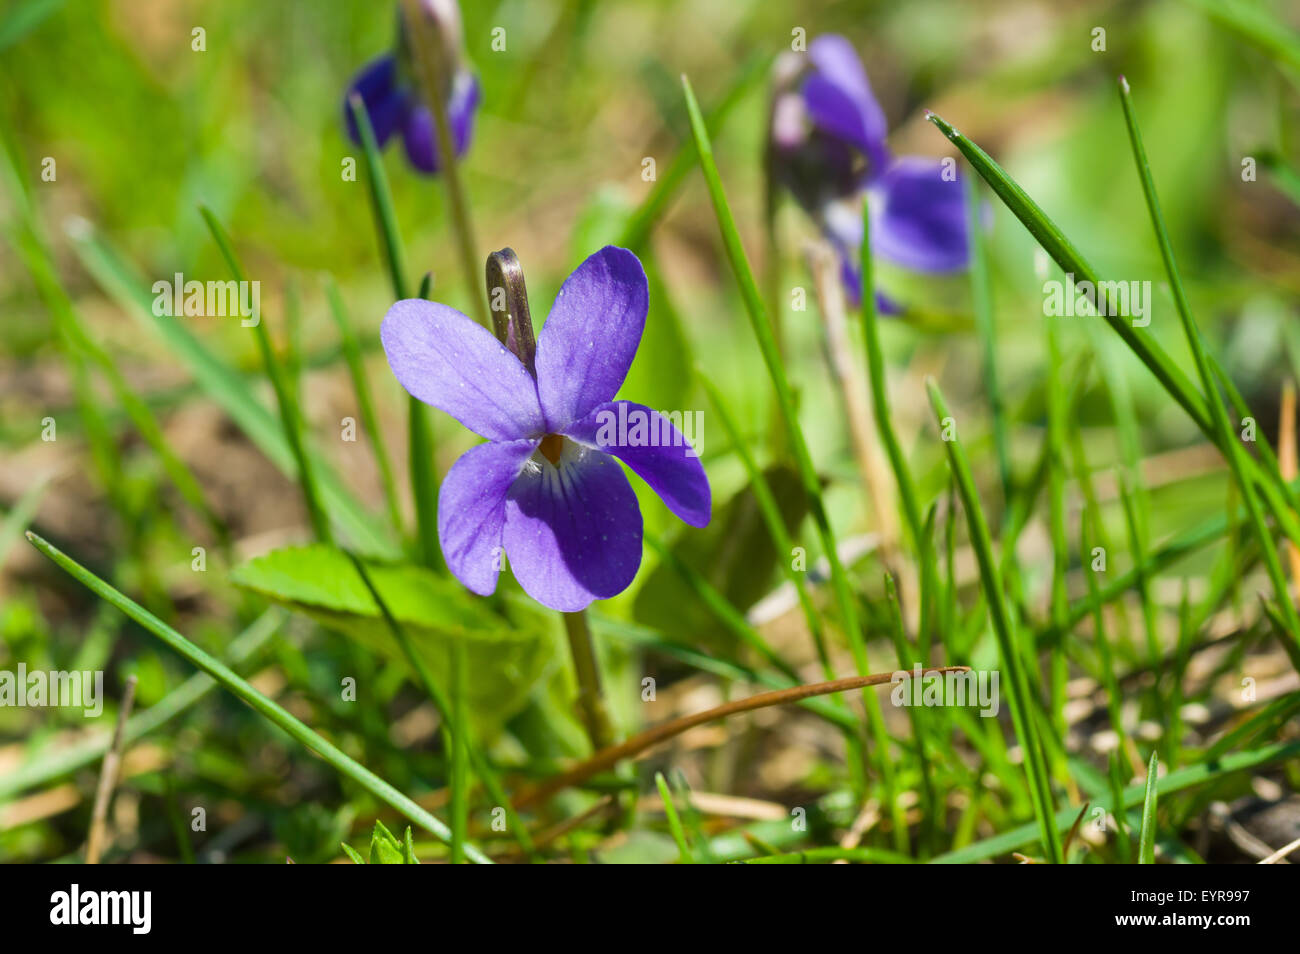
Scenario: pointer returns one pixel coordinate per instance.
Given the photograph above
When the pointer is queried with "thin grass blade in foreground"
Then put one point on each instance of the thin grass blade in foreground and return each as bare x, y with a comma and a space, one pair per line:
265, 707
1255, 24
1232, 450
1142, 344
845, 598
290, 417
982, 295
885, 426
419, 429
1147, 840
1004, 628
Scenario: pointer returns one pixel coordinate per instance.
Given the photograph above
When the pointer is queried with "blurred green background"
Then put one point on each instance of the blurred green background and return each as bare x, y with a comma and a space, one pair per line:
143, 129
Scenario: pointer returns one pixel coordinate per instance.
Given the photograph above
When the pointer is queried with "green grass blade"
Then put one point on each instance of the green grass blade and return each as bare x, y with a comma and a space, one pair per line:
458, 808
381, 201
447, 711
290, 416
1139, 341
20, 516
771, 513
1228, 442
727, 614
272, 712
893, 449
1057, 402
762, 328
32, 245
1004, 628
674, 821
1101, 640
1176, 781
1147, 839
424, 482
54, 763
22, 18
419, 429
225, 386
982, 298
365, 402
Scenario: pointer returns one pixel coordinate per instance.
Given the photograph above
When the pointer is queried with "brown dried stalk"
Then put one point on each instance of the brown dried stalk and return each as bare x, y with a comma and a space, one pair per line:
637, 744
108, 777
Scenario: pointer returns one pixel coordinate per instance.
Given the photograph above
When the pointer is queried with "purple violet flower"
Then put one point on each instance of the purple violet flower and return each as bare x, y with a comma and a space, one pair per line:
391, 95
827, 146
545, 486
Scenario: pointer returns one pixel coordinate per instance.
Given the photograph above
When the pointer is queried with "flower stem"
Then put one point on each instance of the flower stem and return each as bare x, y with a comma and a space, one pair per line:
591, 698
428, 50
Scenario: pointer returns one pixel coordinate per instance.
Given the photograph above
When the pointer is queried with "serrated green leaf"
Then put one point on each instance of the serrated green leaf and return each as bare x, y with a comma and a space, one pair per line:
384, 848
506, 657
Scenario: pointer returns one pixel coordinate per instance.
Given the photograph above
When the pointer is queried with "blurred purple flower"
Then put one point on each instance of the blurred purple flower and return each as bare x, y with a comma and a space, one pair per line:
545, 486
827, 146
390, 92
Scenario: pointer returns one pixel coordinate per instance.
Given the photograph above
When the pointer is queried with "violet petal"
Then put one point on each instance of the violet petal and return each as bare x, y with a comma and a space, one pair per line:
419, 132
591, 335
839, 100
472, 510
656, 451
445, 359
384, 101
919, 218
573, 532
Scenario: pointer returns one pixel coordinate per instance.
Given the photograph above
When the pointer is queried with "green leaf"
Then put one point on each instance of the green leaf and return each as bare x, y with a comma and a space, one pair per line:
505, 657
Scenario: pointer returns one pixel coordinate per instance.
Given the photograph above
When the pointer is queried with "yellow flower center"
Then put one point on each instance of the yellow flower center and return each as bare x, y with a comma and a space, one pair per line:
551, 447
